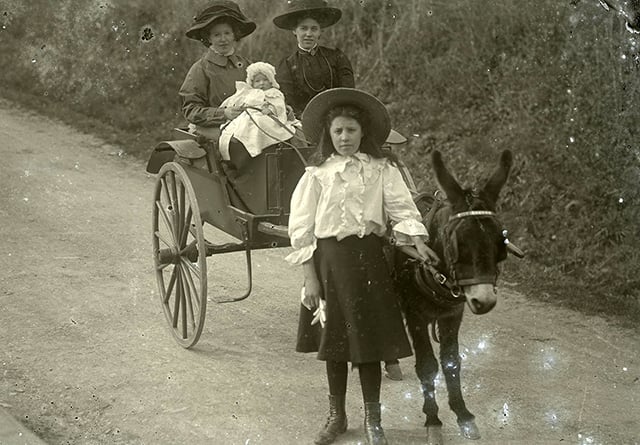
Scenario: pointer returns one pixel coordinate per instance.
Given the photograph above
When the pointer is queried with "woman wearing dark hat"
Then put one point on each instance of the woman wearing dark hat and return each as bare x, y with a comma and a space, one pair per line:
339, 214
212, 78
311, 68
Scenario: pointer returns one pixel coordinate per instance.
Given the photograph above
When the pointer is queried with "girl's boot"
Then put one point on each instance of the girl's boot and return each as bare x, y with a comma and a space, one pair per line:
336, 422
372, 428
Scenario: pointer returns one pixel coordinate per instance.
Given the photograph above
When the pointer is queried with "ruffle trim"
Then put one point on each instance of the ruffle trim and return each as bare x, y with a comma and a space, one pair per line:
301, 255
404, 230
337, 165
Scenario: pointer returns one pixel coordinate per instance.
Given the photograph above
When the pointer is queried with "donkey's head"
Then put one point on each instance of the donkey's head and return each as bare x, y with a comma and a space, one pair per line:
468, 236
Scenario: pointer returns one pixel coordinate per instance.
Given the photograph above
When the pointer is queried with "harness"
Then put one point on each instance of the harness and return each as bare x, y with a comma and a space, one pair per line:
444, 287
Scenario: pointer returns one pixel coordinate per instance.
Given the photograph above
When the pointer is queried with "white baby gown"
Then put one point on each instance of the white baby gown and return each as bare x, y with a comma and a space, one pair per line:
254, 129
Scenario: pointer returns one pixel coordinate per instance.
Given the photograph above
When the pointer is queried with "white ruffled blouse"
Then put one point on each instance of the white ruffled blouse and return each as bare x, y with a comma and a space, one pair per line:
350, 195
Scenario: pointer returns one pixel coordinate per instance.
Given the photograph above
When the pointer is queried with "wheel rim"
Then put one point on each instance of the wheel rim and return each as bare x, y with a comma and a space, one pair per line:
177, 238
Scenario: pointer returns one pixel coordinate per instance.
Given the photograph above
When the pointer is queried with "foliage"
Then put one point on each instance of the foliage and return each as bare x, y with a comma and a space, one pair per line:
555, 81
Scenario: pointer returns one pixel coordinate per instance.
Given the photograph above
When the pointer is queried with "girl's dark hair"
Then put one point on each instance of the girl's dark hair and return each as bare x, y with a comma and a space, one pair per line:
204, 33
325, 146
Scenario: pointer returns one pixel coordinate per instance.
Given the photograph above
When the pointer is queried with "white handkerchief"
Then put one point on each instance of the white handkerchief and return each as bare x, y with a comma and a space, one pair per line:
320, 314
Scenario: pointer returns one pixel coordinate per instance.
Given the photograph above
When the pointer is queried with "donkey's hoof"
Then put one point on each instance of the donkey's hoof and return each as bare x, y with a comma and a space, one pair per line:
434, 435
469, 429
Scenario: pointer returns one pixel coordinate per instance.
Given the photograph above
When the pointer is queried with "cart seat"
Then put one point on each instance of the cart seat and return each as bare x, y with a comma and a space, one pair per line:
263, 185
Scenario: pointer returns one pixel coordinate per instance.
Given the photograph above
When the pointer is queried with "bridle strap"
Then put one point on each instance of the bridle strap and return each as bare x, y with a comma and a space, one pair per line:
474, 213
454, 283
487, 279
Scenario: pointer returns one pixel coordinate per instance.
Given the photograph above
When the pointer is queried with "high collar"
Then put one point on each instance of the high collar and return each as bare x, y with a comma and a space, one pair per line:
341, 161
220, 60
311, 51
349, 167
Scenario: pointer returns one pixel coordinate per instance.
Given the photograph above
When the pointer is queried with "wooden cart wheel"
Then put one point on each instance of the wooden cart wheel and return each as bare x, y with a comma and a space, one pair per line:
179, 254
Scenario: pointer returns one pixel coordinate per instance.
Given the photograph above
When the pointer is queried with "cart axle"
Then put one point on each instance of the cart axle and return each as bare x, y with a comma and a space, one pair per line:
190, 252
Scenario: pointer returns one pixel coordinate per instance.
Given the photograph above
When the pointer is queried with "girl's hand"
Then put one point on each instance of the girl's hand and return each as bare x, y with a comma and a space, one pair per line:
312, 293
425, 252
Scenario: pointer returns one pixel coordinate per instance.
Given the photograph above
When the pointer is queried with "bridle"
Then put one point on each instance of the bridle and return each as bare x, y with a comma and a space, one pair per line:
445, 287
450, 244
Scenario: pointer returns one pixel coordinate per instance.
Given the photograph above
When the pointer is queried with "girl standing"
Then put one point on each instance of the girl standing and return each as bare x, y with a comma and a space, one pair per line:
340, 211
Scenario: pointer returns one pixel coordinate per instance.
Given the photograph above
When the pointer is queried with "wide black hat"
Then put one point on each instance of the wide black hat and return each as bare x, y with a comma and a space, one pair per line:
216, 10
313, 116
299, 9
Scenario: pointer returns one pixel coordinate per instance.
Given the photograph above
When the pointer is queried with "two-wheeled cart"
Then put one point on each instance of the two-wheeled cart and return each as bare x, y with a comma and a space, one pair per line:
193, 188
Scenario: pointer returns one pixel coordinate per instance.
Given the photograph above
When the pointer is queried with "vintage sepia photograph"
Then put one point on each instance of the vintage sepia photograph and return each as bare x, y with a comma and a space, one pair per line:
350, 222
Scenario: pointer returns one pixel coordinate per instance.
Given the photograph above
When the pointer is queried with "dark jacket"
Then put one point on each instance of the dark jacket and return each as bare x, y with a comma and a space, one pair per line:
303, 75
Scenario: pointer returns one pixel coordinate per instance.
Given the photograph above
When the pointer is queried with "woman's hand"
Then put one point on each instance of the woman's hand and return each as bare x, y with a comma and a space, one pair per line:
232, 112
266, 109
290, 114
425, 252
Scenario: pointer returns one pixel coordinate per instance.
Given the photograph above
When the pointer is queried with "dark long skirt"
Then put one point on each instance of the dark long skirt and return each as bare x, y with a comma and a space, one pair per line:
364, 323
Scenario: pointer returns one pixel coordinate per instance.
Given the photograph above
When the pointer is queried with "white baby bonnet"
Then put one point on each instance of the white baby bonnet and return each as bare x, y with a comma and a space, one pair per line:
264, 68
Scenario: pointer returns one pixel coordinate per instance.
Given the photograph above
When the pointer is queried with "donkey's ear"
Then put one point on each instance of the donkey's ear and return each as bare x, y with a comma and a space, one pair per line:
447, 183
493, 186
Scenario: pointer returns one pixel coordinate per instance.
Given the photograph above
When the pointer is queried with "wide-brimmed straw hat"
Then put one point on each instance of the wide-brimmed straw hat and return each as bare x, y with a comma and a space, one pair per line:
314, 115
296, 10
216, 10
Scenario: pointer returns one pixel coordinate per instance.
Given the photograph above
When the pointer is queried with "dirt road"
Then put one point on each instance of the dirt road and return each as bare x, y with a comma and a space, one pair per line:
87, 359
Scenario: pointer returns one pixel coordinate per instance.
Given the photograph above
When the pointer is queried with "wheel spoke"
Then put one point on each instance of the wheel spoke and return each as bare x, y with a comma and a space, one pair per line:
170, 227
162, 238
169, 290
163, 266
181, 201
175, 205
188, 297
186, 228
183, 307
176, 303
193, 268
164, 190
192, 287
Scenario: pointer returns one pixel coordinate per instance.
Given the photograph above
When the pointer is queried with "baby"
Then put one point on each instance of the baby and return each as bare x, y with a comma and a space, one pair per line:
264, 119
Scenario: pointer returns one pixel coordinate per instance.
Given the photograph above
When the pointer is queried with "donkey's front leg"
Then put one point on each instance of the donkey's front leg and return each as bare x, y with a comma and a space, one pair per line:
449, 328
426, 370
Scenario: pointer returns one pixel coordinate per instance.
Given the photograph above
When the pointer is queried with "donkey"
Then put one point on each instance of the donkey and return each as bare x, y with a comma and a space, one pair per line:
469, 240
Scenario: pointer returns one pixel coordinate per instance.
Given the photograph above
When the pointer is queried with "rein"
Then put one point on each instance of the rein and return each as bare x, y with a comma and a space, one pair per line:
277, 121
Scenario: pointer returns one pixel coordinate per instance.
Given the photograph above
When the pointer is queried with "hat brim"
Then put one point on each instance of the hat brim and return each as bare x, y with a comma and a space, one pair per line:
395, 138
325, 16
313, 116
244, 27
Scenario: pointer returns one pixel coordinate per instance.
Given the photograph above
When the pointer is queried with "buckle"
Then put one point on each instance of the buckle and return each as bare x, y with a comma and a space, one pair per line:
440, 278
